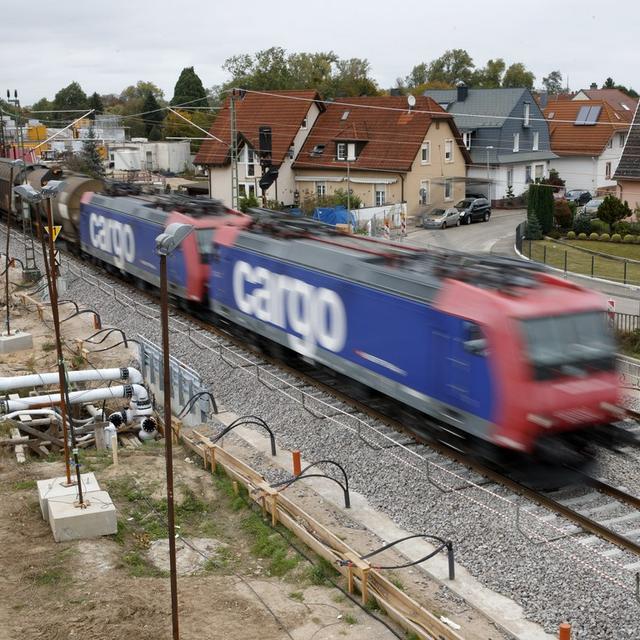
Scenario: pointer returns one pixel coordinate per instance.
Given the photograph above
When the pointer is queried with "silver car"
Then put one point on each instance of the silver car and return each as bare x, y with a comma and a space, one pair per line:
591, 208
441, 218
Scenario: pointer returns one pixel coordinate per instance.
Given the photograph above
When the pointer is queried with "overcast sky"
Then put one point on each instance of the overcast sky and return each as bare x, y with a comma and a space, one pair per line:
107, 46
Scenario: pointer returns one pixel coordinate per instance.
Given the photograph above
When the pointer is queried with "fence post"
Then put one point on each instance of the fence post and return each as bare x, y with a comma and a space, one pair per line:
593, 260
544, 254
565, 261
625, 273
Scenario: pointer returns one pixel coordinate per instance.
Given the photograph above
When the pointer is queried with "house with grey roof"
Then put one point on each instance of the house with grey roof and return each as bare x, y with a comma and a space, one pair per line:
506, 134
627, 173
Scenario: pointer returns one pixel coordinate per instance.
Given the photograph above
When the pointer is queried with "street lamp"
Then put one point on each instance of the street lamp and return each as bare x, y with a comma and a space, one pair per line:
32, 196
488, 176
167, 243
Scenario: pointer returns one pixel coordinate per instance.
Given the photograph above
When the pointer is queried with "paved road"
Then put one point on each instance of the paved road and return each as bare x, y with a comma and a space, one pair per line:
497, 236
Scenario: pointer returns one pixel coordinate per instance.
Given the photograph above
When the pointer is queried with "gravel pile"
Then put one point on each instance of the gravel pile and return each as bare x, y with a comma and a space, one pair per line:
553, 576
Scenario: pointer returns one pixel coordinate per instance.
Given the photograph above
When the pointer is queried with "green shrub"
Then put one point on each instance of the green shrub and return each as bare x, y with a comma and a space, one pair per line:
616, 237
605, 237
628, 239
582, 224
562, 214
636, 239
593, 236
571, 235
555, 234
582, 236
599, 227
624, 228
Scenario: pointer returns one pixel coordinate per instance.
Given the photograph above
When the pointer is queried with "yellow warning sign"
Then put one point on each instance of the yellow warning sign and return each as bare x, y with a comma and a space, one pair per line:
56, 231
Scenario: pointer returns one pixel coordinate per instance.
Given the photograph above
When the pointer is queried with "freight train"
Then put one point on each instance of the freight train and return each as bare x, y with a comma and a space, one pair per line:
502, 359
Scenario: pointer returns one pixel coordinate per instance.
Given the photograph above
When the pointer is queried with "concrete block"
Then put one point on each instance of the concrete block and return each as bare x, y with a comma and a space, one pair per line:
70, 522
56, 488
15, 342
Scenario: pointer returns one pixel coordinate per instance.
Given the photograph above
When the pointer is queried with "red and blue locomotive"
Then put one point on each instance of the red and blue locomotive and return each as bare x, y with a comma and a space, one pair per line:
501, 356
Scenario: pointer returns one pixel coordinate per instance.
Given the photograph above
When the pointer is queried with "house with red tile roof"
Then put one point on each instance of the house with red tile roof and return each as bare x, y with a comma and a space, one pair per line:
289, 114
628, 172
588, 137
616, 99
385, 151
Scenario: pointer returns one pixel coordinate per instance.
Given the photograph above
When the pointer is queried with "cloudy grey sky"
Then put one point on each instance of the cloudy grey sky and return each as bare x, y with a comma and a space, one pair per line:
108, 46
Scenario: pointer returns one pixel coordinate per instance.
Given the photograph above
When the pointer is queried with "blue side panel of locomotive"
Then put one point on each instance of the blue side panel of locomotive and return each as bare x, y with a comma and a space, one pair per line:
127, 241
328, 317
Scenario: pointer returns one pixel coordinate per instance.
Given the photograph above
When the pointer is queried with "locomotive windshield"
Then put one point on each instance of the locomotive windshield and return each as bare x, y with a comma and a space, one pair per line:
569, 345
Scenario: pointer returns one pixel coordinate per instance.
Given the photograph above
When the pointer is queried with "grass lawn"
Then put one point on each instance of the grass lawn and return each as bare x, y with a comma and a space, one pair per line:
553, 254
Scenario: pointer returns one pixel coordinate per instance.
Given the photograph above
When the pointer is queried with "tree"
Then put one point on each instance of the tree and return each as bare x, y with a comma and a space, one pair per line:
88, 161
534, 232
490, 76
518, 76
540, 204
176, 127
131, 103
42, 105
610, 84
95, 103
453, 66
562, 214
613, 210
417, 76
553, 83
189, 89
153, 116
71, 97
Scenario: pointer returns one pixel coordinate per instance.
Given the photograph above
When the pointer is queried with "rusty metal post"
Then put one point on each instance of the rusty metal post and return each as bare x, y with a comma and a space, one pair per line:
296, 463
565, 631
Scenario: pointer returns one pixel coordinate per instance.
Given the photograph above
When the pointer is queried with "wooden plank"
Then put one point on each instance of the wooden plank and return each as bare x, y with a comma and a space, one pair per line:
19, 448
40, 435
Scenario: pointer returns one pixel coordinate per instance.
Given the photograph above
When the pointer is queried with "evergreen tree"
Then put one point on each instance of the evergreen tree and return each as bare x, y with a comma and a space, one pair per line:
90, 156
72, 97
534, 232
540, 205
153, 117
155, 134
188, 89
95, 103
613, 210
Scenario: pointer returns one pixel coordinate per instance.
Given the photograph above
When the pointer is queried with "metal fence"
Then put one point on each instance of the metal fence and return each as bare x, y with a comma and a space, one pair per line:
629, 370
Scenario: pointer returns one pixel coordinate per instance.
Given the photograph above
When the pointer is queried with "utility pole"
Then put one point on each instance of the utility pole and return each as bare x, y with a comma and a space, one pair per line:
234, 150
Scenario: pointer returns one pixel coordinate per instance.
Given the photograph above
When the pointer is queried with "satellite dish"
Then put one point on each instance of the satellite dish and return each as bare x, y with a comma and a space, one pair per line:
411, 100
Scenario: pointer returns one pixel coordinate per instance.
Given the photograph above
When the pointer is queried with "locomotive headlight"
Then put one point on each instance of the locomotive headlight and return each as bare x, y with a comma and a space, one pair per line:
541, 421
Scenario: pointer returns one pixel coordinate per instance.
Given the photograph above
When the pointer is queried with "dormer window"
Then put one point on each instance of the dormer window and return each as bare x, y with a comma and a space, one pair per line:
527, 115
466, 139
317, 150
341, 150
345, 115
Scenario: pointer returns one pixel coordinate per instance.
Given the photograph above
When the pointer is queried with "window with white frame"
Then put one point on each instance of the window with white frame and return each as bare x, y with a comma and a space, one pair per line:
527, 174
250, 158
247, 190
516, 142
425, 153
539, 171
351, 151
509, 177
610, 143
424, 197
621, 138
448, 189
448, 150
466, 139
304, 123
527, 115
341, 150
292, 152
321, 189
536, 141
607, 171
380, 197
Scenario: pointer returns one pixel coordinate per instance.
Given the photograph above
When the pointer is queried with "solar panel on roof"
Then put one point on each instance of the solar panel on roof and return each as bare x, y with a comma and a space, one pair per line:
581, 118
593, 114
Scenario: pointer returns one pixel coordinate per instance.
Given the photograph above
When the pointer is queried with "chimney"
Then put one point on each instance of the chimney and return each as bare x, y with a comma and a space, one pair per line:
463, 92
594, 85
543, 98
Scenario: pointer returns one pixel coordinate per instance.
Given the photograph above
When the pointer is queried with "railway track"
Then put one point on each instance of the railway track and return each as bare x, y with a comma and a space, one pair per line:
598, 511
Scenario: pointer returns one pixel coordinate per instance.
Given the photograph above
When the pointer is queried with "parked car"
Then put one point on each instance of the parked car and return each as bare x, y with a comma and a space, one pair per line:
441, 218
579, 196
590, 210
473, 209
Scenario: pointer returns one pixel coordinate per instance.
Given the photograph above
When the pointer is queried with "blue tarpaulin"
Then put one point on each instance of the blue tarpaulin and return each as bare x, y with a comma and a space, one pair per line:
334, 215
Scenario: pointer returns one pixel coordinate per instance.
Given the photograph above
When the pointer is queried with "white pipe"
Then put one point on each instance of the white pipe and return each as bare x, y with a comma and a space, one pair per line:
134, 391
128, 374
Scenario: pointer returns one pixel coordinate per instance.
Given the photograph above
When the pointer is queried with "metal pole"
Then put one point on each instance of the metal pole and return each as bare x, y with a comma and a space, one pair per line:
53, 297
6, 264
348, 188
168, 440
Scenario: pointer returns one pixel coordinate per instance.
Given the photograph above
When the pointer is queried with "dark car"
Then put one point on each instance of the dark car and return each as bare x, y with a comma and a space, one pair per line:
473, 209
579, 196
